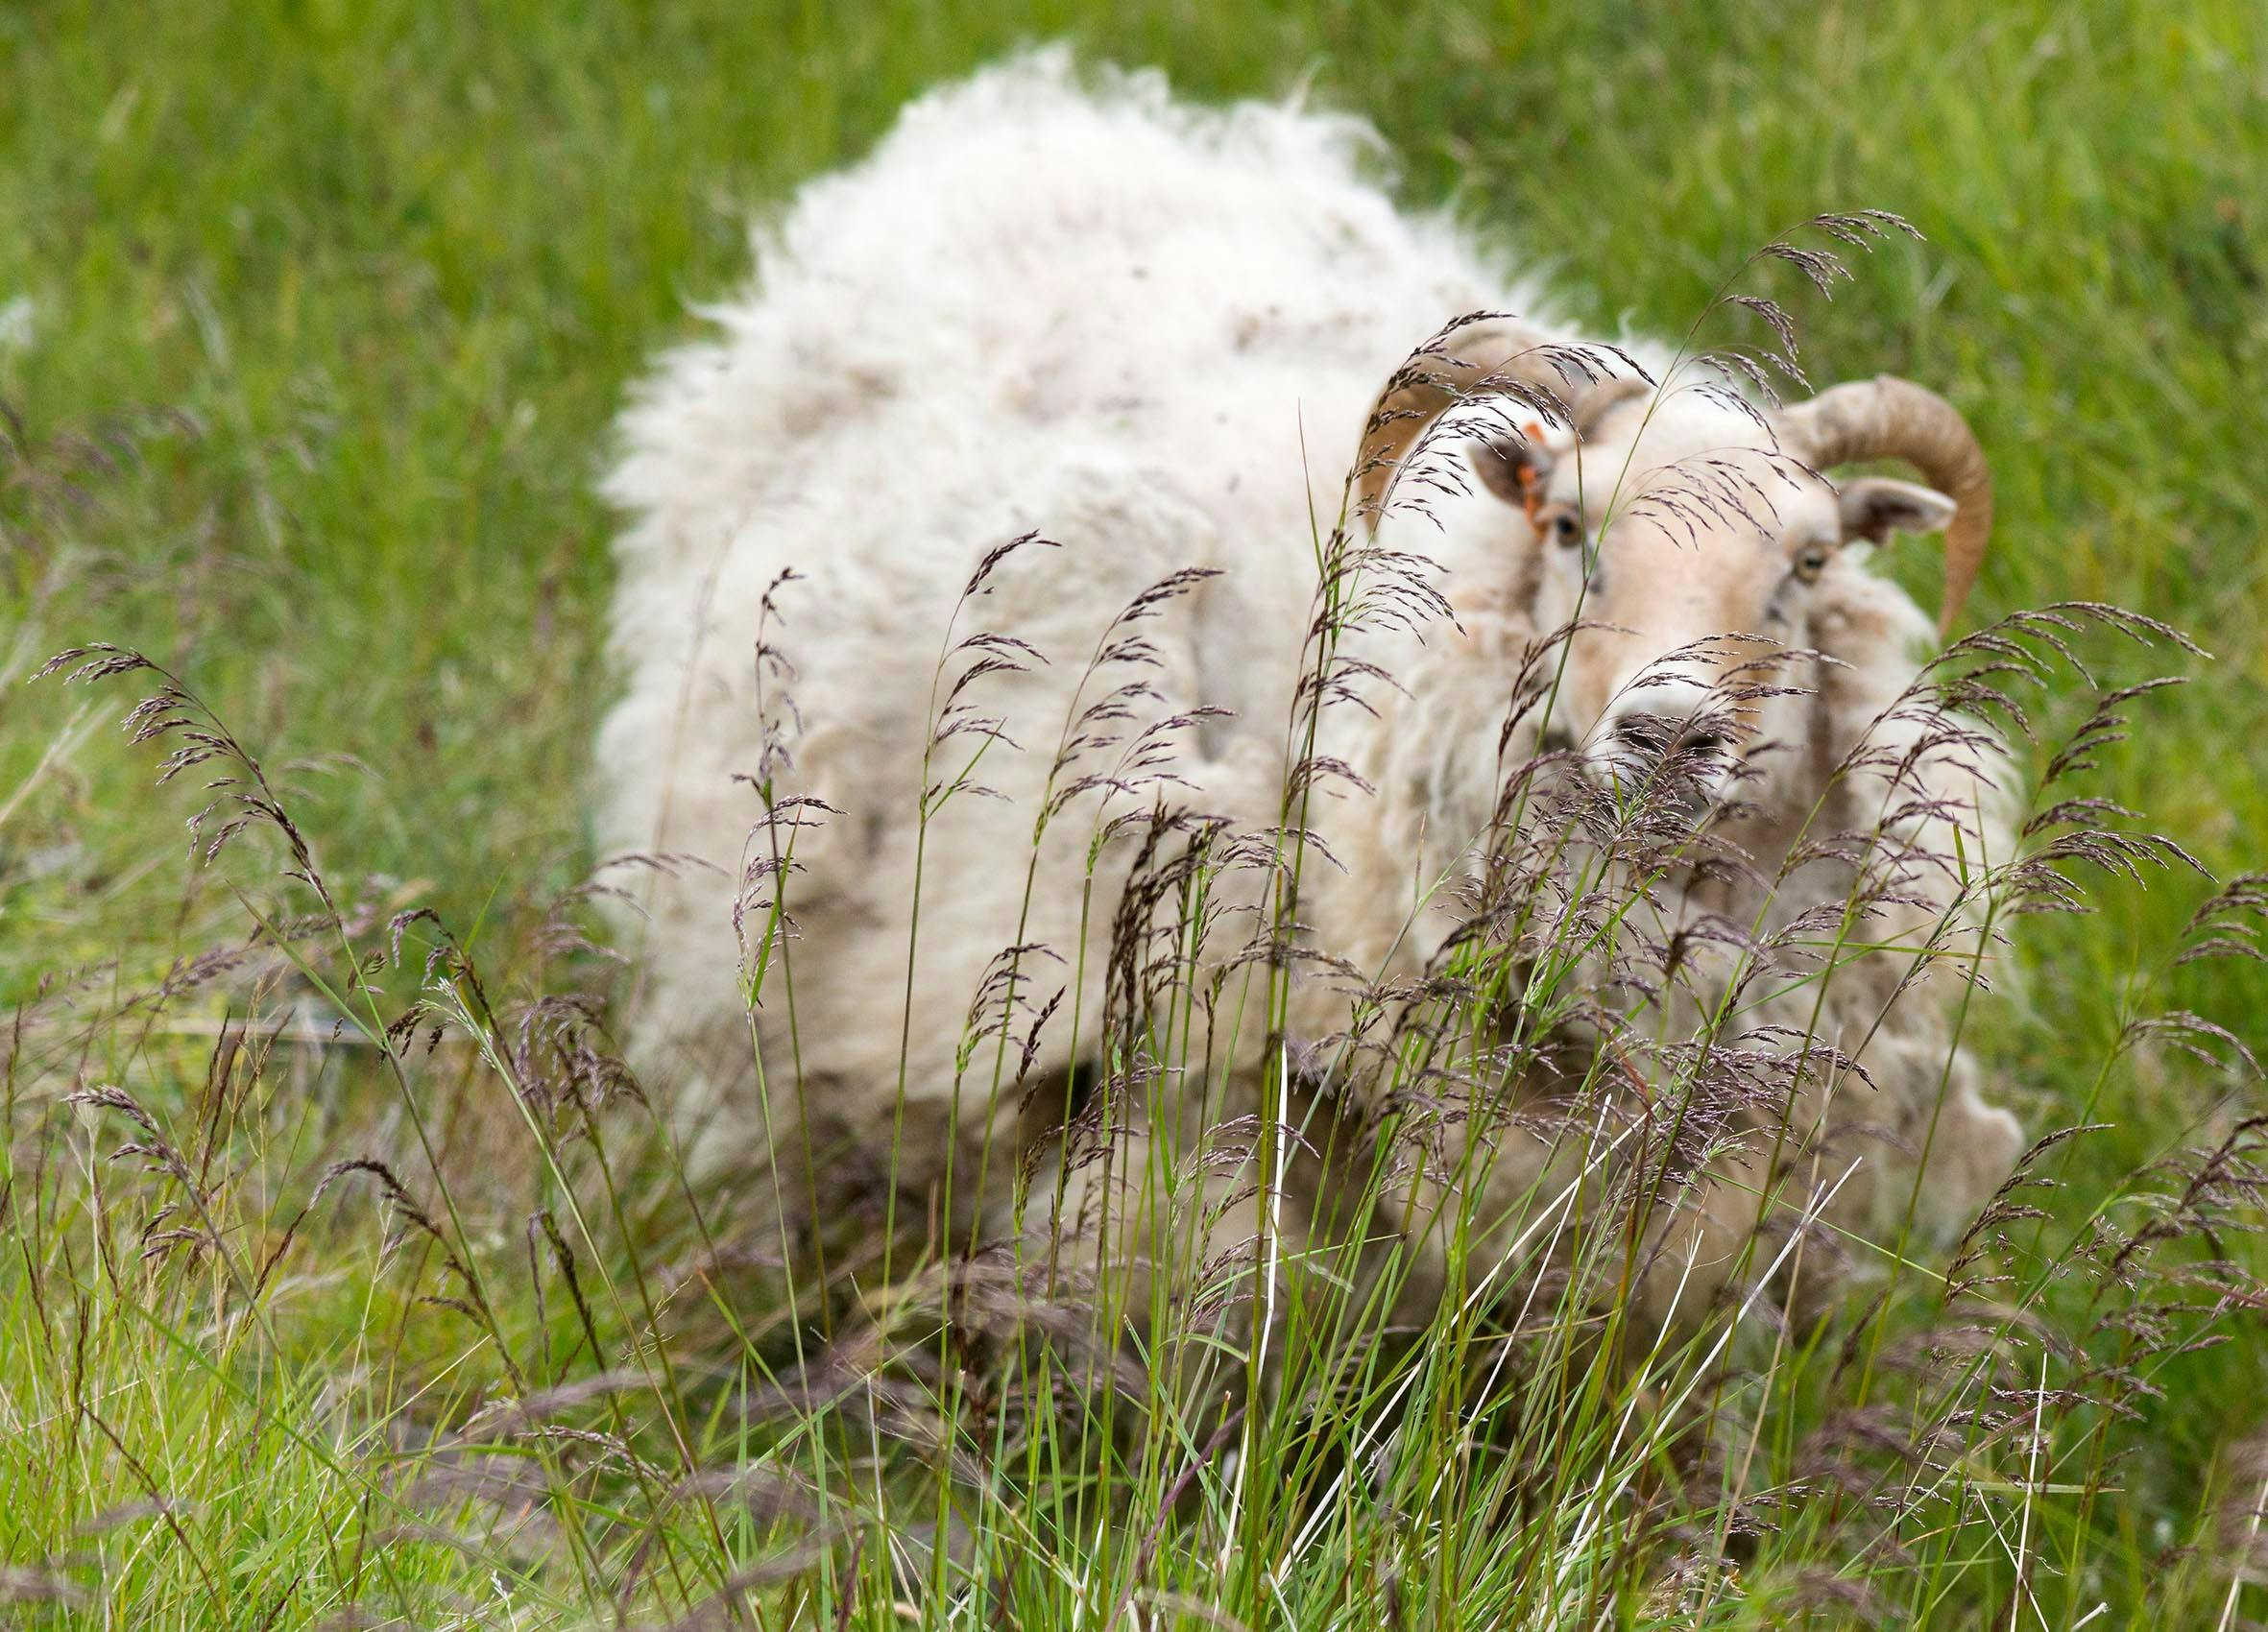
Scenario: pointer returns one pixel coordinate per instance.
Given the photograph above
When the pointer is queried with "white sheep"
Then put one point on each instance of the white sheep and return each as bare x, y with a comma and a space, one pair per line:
1159, 335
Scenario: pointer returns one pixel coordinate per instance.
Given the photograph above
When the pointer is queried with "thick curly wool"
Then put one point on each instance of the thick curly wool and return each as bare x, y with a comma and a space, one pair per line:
1152, 332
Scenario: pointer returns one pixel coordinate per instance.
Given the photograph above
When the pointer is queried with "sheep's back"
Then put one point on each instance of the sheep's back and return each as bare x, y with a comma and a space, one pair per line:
1142, 328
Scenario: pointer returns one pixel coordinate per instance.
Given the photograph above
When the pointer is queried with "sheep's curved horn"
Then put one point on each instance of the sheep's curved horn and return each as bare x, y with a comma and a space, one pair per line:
1888, 418
1496, 354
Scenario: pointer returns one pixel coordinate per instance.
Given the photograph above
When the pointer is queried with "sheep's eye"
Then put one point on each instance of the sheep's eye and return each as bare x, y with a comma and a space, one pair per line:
1567, 530
1811, 563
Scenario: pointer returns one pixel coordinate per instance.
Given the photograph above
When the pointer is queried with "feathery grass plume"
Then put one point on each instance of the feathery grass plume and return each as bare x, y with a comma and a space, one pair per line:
1510, 1291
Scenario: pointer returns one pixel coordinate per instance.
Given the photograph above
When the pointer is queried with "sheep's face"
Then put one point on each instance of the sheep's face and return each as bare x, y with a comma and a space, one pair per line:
1690, 552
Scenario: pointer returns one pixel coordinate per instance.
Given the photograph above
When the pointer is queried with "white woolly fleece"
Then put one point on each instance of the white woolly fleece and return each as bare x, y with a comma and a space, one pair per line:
1040, 304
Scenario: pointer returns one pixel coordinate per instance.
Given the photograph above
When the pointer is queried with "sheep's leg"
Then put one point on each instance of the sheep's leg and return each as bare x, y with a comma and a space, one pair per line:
1196, 1233
1857, 1178
1489, 1220
1963, 1146
1492, 1208
1133, 1236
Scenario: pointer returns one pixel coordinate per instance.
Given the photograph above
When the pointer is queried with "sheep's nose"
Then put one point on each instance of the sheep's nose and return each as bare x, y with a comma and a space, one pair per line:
1695, 753
1657, 736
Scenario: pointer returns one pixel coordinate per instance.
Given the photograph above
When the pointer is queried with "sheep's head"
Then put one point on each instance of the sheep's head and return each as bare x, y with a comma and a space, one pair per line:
1690, 541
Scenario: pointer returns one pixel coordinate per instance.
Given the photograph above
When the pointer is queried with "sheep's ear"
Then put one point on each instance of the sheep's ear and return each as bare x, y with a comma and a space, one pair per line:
1874, 507
1512, 468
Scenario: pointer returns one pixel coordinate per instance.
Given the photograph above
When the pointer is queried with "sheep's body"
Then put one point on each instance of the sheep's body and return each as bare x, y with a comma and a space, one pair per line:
1152, 333
1110, 318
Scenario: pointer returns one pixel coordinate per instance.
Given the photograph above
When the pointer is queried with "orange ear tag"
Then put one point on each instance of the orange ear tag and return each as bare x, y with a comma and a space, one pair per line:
1532, 490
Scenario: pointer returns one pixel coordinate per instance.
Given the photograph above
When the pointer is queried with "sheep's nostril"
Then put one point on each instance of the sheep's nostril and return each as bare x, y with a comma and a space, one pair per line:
1649, 734
1661, 735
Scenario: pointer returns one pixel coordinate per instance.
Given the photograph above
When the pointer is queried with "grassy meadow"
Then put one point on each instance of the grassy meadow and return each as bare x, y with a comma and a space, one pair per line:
313, 318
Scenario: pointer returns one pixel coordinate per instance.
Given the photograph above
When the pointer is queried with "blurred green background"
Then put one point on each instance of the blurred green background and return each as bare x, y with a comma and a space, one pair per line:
313, 317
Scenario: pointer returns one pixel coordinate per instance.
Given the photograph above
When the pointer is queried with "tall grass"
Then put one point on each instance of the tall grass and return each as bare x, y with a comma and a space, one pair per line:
494, 1358
306, 412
